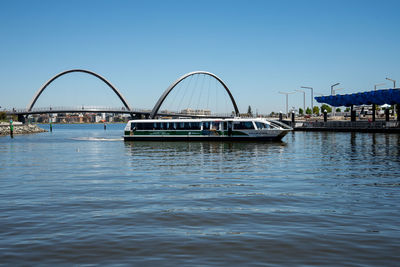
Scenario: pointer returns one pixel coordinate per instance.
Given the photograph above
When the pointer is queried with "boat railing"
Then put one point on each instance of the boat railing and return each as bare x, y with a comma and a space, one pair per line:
280, 124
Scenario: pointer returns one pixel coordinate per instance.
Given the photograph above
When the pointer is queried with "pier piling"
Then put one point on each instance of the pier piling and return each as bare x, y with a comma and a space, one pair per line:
293, 117
11, 129
387, 114
352, 113
398, 111
373, 112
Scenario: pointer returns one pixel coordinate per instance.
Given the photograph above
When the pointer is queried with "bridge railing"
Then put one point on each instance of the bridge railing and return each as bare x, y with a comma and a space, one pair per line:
61, 109
102, 109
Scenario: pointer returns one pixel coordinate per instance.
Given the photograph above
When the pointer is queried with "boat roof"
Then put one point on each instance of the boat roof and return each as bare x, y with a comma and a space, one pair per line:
200, 120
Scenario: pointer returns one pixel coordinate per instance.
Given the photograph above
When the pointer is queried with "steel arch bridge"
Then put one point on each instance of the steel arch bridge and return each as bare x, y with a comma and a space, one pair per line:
127, 110
41, 89
172, 86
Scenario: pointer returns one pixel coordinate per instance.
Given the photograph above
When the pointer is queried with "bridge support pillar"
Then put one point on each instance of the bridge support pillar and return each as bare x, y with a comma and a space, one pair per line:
21, 118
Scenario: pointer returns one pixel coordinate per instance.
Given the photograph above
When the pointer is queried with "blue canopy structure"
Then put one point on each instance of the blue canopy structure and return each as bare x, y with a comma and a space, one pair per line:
379, 97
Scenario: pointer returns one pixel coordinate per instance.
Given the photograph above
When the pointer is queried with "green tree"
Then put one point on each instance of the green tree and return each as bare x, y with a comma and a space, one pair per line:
301, 111
308, 111
347, 109
326, 107
316, 110
338, 110
3, 116
249, 111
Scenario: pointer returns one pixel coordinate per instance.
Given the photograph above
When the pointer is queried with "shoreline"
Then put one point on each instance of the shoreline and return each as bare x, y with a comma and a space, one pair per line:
21, 129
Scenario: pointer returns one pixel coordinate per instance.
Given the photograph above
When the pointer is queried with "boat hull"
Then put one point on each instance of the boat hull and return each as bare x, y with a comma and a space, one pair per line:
271, 137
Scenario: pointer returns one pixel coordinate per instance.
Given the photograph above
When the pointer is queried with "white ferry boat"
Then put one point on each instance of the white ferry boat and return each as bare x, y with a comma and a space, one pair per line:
230, 129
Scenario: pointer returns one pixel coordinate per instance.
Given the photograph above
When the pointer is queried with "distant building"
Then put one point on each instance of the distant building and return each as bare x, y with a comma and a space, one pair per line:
190, 111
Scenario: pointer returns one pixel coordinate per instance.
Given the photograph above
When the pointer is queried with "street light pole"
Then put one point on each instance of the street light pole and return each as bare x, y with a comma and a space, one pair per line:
378, 84
394, 82
287, 100
333, 85
312, 97
334, 91
304, 99
394, 87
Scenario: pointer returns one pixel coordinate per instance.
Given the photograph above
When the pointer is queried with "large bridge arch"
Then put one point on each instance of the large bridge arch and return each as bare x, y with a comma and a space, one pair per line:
172, 86
40, 91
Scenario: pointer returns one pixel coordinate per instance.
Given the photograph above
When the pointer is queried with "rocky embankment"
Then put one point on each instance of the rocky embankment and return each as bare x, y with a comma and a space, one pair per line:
20, 129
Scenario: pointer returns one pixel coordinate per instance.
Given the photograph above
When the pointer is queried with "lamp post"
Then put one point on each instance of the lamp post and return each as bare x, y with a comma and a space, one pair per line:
318, 94
312, 97
304, 99
394, 87
334, 91
287, 97
378, 84
394, 82
333, 85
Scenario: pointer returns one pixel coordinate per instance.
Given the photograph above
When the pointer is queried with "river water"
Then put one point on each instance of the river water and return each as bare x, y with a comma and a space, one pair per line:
80, 195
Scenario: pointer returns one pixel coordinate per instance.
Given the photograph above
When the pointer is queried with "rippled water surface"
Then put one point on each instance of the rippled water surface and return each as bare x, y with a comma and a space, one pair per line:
80, 195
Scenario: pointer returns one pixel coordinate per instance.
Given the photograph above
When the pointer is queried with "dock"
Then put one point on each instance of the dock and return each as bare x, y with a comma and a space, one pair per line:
346, 126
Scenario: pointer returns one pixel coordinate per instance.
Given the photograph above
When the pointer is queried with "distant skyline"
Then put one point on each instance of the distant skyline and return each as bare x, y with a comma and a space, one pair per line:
257, 47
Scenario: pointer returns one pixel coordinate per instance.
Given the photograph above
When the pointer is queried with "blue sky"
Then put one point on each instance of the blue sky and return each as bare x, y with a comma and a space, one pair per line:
257, 47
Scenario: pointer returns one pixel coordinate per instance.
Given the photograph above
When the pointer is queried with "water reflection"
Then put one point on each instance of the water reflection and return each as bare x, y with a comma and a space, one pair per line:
205, 147
199, 203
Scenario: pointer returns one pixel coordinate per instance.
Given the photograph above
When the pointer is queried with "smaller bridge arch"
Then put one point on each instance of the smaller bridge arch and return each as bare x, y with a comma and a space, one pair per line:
172, 86
41, 89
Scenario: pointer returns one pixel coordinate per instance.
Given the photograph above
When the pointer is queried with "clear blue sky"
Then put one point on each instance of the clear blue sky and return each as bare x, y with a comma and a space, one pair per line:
257, 47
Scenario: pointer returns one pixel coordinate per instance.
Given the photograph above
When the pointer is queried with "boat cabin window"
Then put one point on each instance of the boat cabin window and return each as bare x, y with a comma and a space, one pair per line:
166, 126
215, 125
206, 125
144, 126
261, 125
244, 125
188, 125
192, 125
